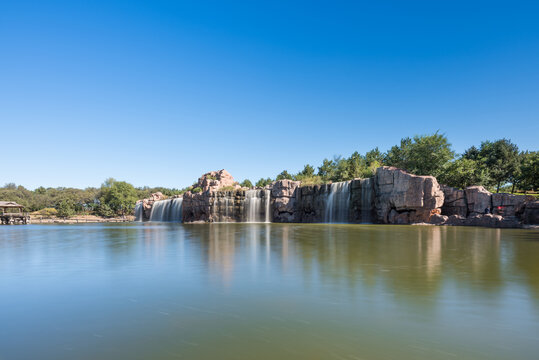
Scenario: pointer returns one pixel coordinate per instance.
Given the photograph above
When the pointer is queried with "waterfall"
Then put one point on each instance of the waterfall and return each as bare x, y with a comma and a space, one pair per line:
366, 200
257, 206
223, 207
167, 210
267, 194
338, 203
176, 210
138, 211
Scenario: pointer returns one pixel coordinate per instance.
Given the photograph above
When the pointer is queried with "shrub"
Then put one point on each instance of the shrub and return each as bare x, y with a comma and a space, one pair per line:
196, 190
47, 212
228, 188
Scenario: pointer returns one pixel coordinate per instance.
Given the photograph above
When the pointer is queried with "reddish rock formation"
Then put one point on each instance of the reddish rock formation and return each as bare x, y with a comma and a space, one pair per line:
403, 198
215, 180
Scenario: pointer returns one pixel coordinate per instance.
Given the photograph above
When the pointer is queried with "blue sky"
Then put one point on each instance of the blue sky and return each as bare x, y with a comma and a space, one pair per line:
158, 92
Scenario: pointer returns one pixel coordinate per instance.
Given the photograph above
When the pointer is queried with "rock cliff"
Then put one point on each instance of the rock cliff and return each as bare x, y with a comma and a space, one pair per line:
392, 196
402, 198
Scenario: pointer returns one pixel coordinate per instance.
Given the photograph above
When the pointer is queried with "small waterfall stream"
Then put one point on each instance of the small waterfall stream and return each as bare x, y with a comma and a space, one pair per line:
167, 210
338, 203
257, 206
366, 200
138, 211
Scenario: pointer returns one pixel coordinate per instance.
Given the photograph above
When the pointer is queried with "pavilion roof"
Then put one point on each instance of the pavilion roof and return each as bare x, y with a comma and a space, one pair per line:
10, 204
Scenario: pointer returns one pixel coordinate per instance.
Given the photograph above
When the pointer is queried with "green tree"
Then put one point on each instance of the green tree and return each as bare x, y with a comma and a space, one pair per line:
501, 158
308, 171
327, 170
246, 183
285, 175
374, 156
66, 209
422, 155
529, 171
462, 173
263, 182
119, 196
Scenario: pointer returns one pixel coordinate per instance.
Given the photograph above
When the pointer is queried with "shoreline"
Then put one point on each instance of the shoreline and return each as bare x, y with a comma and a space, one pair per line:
79, 220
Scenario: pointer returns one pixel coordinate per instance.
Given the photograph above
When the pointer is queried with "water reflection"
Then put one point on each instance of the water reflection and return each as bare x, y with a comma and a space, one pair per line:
283, 291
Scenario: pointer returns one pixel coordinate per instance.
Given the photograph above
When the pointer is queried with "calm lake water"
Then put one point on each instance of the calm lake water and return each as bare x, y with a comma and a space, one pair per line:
268, 291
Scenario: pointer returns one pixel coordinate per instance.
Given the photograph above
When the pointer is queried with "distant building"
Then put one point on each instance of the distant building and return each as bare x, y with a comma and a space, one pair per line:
12, 213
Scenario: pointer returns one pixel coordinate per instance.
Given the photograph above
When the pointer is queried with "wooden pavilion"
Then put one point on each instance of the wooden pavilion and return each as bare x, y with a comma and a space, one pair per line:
12, 213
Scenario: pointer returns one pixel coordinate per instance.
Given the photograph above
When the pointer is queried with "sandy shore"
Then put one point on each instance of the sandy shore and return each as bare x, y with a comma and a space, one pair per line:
38, 219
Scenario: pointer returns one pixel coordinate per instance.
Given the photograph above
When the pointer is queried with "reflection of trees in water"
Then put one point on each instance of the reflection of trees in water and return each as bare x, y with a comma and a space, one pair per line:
526, 259
408, 260
401, 260
216, 245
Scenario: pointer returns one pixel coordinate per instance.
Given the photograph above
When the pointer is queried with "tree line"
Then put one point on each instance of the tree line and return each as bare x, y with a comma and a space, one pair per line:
497, 165
113, 198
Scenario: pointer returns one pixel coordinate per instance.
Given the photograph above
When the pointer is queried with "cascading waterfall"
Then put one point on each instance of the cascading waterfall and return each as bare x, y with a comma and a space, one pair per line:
366, 200
167, 210
257, 206
138, 211
338, 203
267, 194
176, 210
223, 208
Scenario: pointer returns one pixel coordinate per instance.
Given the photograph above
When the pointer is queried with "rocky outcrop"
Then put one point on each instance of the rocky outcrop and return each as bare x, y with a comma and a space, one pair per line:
392, 196
196, 207
454, 201
311, 203
227, 206
402, 198
530, 214
476, 206
483, 220
479, 199
210, 203
284, 199
510, 205
215, 180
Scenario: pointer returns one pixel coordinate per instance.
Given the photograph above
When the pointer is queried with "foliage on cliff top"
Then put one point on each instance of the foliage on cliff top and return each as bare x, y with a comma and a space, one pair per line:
492, 165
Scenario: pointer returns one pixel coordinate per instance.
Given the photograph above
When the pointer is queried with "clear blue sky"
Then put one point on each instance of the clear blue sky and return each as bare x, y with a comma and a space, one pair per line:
159, 92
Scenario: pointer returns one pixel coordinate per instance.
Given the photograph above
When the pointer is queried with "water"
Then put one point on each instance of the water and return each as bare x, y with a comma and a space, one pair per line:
338, 203
268, 291
257, 206
167, 210
138, 211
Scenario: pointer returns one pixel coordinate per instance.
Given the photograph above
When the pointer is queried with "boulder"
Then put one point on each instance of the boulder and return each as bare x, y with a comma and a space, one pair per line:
405, 198
478, 199
438, 219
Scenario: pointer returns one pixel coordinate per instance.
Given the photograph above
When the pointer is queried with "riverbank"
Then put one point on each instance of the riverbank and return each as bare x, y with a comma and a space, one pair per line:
38, 219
